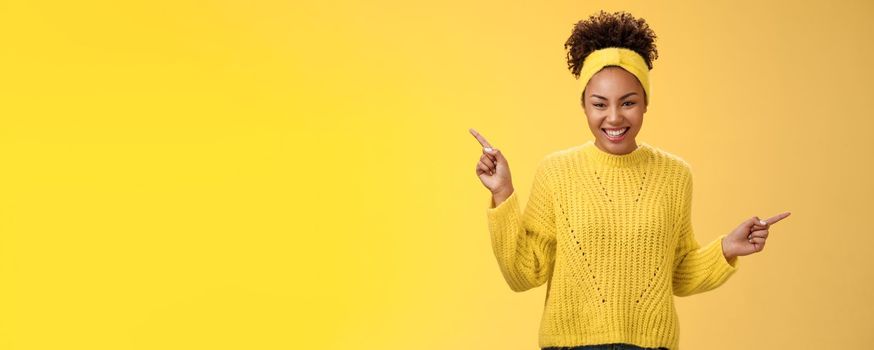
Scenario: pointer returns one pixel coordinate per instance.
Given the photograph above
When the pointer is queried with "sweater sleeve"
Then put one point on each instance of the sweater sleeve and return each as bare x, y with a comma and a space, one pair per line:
697, 269
524, 242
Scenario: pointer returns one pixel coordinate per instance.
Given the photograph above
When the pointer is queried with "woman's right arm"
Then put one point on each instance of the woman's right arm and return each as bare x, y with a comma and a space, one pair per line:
524, 242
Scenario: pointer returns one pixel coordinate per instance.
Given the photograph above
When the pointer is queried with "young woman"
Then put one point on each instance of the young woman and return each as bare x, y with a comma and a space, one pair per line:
608, 223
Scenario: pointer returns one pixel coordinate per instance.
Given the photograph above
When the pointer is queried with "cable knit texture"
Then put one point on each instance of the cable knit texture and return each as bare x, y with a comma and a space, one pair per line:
611, 236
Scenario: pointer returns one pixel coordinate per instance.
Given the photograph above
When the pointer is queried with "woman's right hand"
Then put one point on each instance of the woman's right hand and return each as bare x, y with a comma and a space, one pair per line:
493, 170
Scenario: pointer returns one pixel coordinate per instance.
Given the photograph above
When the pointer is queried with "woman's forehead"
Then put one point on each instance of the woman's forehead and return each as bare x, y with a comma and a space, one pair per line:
613, 82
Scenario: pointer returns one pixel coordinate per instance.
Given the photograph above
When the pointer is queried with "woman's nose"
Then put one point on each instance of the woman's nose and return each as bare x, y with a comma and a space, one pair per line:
614, 117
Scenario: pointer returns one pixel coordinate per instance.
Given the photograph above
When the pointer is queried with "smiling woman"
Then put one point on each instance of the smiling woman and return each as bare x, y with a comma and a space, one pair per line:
612, 53
608, 224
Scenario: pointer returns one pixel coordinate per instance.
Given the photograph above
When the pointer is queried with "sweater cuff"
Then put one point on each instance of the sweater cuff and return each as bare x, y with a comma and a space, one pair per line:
504, 217
723, 265
508, 207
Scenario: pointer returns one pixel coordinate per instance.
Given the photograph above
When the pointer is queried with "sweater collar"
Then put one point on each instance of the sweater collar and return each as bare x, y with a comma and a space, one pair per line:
643, 151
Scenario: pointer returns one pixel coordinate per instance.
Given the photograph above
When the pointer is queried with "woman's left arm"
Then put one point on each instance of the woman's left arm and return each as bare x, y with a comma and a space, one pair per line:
697, 269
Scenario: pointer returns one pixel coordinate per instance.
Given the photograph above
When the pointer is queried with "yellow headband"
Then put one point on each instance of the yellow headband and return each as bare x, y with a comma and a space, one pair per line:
628, 59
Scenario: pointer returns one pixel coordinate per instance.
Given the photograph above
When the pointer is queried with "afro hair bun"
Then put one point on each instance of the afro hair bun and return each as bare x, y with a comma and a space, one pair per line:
617, 29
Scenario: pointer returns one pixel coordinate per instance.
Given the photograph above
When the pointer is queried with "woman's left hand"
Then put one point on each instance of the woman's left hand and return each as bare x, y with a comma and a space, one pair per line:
749, 237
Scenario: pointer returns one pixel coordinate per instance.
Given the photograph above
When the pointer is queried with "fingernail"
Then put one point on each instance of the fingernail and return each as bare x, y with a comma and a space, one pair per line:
763, 222
488, 149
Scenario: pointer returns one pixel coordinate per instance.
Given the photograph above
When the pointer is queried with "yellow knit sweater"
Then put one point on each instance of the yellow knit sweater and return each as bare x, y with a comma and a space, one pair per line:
612, 235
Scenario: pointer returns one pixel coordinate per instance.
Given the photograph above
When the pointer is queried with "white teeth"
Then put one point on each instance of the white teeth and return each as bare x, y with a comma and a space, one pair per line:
617, 132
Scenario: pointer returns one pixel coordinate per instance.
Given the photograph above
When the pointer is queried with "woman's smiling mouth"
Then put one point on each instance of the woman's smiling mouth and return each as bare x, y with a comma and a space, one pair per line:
615, 135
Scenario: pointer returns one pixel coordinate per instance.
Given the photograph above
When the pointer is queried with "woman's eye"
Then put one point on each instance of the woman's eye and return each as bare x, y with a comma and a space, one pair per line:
629, 103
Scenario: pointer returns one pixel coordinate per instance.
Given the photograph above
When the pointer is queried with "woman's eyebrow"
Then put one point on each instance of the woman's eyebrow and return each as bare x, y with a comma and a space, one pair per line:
623, 96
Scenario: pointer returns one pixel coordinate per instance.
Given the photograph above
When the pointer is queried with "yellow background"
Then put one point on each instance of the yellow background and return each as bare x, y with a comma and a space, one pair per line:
289, 175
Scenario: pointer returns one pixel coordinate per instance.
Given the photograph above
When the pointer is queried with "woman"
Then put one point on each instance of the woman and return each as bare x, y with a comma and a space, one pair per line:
608, 223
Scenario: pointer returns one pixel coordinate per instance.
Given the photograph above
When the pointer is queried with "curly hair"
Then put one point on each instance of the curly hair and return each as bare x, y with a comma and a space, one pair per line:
617, 29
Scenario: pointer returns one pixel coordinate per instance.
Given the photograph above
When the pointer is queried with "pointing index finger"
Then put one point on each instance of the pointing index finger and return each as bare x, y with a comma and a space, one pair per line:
774, 219
480, 138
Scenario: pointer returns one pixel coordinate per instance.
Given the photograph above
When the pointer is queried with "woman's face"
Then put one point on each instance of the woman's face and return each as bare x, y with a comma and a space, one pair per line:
613, 99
